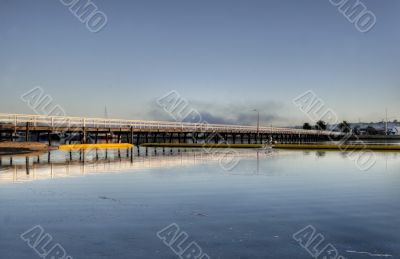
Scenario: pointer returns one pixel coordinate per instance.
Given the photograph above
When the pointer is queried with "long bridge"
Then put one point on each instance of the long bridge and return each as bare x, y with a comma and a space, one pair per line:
92, 130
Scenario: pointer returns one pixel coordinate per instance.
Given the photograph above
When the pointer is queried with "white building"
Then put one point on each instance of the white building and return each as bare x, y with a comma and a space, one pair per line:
394, 131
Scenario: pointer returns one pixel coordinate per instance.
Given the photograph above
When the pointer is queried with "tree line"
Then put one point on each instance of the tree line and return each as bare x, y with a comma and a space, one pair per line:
344, 126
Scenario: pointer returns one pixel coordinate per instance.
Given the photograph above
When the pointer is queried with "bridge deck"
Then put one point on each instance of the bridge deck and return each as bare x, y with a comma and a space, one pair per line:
20, 122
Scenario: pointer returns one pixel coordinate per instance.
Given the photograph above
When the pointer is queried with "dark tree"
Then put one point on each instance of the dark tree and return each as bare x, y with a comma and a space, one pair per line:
321, 125
371, 131
307, 126
356, 130
344, 127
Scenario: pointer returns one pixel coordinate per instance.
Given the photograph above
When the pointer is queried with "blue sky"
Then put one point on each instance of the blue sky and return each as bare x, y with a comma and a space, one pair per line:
226, 57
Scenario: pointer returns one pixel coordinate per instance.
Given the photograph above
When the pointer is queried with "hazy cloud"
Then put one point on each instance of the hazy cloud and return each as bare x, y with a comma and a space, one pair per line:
227, 113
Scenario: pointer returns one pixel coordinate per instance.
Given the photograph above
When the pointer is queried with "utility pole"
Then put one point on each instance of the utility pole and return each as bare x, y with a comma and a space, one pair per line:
386, 124
258, 122
105, 112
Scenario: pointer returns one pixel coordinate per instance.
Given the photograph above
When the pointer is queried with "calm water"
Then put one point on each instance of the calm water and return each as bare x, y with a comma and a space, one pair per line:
112, 205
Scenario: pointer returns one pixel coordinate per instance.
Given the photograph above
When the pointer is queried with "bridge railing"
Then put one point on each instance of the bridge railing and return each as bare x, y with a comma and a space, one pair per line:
81, 122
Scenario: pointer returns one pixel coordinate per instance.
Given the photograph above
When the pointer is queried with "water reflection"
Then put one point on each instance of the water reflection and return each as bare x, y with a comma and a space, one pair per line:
248, 212
59, 164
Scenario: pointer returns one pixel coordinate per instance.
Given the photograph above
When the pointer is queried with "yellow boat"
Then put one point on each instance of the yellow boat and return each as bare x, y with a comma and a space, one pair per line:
94, 146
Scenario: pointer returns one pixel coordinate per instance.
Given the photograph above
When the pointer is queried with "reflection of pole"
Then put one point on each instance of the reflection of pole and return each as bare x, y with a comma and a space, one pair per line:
27, 165
258, 162
386, 155
131, 155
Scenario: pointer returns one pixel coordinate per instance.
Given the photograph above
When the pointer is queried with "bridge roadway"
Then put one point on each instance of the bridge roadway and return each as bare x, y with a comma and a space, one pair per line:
143, 131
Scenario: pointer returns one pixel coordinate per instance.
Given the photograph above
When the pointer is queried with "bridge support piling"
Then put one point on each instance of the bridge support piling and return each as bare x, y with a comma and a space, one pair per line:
26, 132
118, 137
84, 136
15, 133
137, 139
96, 138
49, 137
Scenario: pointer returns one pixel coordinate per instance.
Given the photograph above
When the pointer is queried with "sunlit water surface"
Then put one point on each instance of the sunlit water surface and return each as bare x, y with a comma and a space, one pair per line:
112, 205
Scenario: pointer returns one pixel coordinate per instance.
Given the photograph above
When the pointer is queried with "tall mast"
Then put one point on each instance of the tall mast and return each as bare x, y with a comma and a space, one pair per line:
386, 124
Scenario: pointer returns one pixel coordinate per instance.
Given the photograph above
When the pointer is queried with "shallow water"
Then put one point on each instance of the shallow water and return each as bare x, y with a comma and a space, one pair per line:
112, 206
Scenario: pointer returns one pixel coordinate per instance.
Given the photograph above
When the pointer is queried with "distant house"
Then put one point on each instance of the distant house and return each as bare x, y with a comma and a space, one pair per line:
362, 131
381, 131
371, 131
394, 131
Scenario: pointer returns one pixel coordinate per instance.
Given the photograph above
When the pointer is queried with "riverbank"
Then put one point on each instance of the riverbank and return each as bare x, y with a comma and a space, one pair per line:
194, 145
380, 138
344, 147
22, 148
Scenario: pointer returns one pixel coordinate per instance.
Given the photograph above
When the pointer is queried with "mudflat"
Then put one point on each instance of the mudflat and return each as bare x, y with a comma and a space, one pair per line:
15, 148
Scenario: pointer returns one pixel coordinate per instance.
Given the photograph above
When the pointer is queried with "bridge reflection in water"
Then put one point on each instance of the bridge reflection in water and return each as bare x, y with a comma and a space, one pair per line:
61, 164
